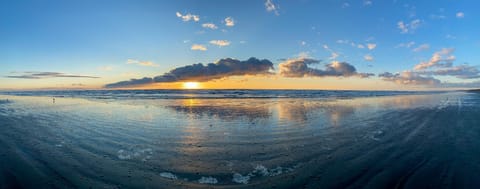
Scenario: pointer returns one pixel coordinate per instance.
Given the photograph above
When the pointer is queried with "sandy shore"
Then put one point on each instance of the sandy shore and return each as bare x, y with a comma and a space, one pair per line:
412, 141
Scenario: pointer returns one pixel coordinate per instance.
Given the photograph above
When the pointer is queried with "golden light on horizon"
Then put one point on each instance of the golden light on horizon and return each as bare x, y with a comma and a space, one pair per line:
191, 85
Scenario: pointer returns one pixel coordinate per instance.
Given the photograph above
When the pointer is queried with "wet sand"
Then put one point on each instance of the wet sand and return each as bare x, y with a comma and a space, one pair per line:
410, 141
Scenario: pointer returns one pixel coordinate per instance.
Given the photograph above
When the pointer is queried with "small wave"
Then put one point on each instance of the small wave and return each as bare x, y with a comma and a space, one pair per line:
168, 175
207, 180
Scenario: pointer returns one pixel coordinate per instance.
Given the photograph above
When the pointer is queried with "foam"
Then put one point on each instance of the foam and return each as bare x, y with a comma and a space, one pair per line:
207, 180
168, 175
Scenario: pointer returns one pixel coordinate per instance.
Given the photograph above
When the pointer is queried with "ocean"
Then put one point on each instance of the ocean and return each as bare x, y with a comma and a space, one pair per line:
239, 139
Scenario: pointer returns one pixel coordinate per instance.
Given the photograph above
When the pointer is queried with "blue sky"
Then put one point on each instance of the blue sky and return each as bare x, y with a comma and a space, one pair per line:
120, 40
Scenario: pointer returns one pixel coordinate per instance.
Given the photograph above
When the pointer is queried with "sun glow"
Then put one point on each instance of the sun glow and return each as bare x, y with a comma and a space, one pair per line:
191, 85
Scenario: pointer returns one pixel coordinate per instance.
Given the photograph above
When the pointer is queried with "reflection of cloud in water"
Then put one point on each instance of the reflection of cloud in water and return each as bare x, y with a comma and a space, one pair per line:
226, 111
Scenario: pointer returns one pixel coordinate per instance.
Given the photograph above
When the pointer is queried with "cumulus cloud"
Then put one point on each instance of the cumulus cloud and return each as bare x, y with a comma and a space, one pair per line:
200, 72
187, 17
229, 22
409, 78
460, 15
406, 45
271, 7
440, 64
141, 63
220, 43
409, 27
210, 26
422, 47
371, 46
299, 67
197, 47
368, 57
442, 58
45, 75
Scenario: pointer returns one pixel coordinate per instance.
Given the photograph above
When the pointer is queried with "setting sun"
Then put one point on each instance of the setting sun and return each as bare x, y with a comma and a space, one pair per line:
191, 85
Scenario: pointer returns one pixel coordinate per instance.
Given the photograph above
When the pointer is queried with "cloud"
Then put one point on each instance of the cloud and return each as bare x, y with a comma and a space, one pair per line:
197, 47
368, 58
406, 45
271, 7
461, 72
141, 63
187, 17
421, 48
333, 56
220, 43
409, 78
299, 67
198, 72
105, 68
367, 3
345, 5
229, 22
371, 46
460, 15
45, 75
409, 27
360, 46
210, 26
442, 58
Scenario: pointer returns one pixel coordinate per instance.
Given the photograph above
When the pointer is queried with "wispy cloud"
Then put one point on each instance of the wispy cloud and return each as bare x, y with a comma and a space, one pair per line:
46, 75
210, 26
460, 15
198, 47
229, 21
422, 47
271, 7
198, 72
141, 63
409, 27
299, 67
406, 45
220, 43
187, 17
368, 58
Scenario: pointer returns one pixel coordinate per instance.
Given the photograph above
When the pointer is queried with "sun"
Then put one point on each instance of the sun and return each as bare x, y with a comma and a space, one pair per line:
191, 85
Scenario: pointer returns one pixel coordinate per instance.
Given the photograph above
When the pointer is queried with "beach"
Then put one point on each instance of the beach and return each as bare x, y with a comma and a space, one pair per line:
381, 141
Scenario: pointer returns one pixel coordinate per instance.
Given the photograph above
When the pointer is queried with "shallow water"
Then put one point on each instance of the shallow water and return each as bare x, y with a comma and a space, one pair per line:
402, 141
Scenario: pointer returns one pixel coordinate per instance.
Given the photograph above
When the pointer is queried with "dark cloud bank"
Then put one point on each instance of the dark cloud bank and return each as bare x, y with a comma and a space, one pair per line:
44, 75
200, 72
253, 66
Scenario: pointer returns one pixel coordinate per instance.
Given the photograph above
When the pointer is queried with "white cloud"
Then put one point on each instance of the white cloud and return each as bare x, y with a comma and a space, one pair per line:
334, 56
371, 46
220, 43
442, 58
360, 46
209, 25
271, 7
303, 43
141, 63
460, 15
406, 45
197, 47
187, 17
421, 48
368, 58
345, 5
367, 3
229, 22
409, 27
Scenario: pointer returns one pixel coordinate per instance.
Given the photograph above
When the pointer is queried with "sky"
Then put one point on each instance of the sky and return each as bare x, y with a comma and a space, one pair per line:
254, 44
